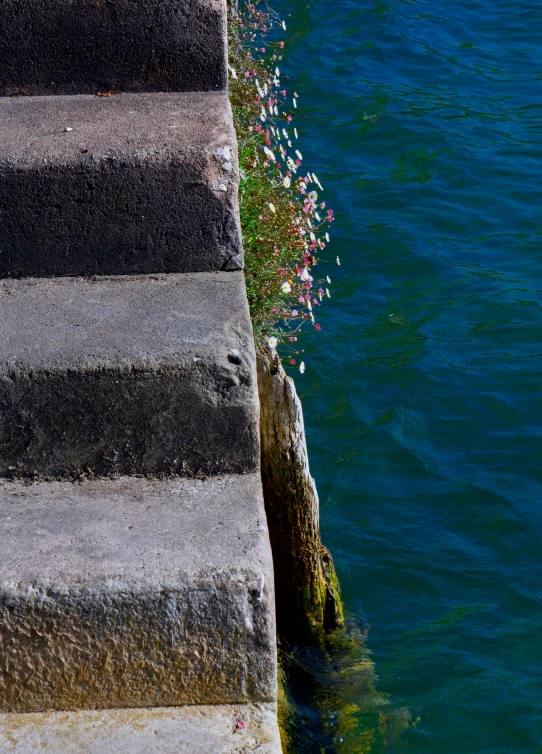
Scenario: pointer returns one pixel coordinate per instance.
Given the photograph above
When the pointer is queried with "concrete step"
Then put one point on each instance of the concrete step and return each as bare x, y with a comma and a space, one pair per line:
224, 729
68, 47
135, 593
134, 183
143, 375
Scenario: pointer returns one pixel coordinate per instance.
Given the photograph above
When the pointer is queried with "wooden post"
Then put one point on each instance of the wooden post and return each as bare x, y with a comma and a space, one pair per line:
307, 590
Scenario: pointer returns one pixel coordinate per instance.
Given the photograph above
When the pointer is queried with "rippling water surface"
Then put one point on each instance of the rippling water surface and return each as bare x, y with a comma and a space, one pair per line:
423, 392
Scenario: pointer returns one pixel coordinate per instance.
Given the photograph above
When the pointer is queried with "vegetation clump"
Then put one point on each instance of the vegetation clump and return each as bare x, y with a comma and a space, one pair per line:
284, 220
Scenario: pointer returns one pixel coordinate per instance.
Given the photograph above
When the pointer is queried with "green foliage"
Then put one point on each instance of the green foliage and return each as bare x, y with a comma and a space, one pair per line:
283, 220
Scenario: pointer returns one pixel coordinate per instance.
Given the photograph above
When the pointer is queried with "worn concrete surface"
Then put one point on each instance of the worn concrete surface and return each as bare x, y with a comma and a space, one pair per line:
71, 47
135, 593
181, 730
139, 375
142, 183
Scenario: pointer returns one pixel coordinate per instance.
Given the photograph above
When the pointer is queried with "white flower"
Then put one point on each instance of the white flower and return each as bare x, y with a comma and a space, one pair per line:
284, 25
302, 367
276, 110
313, 196
287, 182
270, 109
286, 287
263, 115
277, 72
272, 342
317, 216
327, 239
272, 207
311, 315
328, 294
338, 261
295, 102
295, 132
285, 132
318, 183
233, 72
309, 306
304, 275
309, 223
289, 143
298, 153
265, 89
312, 236
328, 280
270, 154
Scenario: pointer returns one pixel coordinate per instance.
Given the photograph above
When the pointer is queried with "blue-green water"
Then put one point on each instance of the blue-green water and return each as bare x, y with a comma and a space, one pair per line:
423, 392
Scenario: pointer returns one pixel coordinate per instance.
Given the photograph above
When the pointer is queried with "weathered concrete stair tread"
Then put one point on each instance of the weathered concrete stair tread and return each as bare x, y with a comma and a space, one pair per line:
180, 730
135, 593
139, 374
142, 183
71, 47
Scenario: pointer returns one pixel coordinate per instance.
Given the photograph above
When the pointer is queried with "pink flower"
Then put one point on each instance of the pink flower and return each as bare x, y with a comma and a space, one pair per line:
317, 326
298, 162
307, 297
315, 301
301, 300
264, 219
294, 312
241, 725
273, 309
283, 92
323, 205
262, 49
292, 362
266, 164
289, 118
305, 316
282, 272
247, 74
281, 45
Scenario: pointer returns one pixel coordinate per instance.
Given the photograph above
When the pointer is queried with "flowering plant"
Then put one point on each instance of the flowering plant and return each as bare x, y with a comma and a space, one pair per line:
284, 221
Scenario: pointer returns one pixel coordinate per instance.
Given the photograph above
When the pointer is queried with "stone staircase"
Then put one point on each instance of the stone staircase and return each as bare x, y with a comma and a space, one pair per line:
136, 581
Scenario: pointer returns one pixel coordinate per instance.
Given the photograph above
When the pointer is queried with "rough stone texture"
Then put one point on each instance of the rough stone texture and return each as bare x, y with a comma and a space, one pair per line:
135, 593
181, 730
143, 183
74, 47
138, 375
308, 598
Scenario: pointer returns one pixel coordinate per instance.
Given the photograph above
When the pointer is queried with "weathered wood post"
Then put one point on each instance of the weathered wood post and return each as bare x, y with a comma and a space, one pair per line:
307, 591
